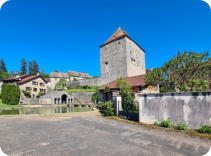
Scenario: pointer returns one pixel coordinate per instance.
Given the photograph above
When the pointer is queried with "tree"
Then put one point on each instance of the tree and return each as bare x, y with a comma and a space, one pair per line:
125, 92
2, 66
4, 75
30, 68
42, 73
23, 67
10, 94
184, 72
33, 68
61, 85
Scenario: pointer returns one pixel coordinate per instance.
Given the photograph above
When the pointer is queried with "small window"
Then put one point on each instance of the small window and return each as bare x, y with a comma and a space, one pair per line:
133, 61
42, 84
35, 89
28, 88
35, 83
106, 63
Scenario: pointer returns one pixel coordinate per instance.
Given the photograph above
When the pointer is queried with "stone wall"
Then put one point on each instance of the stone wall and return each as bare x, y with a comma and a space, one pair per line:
83, 98
192, 109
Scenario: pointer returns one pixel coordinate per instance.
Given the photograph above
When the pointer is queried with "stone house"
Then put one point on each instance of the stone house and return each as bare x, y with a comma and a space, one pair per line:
68, 76
34, 84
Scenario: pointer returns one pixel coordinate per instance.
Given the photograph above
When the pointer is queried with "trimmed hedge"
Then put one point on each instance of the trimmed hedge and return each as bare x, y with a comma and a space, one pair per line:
10, 94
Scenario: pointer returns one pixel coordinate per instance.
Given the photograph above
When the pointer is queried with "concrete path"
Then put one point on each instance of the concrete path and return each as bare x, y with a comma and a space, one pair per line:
84, 134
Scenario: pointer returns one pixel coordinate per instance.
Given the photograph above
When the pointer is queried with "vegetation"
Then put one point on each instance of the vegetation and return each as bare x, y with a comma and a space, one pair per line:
107, 108
23, 69
5, 106
205, 129
127, 99
39, 95
3, 68
61, 85
184, 72
95, 97
10, 94
166, 123
26, 93
46, 76
33, 68
181, 127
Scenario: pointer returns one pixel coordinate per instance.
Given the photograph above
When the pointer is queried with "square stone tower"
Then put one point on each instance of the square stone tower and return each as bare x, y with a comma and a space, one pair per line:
120, 56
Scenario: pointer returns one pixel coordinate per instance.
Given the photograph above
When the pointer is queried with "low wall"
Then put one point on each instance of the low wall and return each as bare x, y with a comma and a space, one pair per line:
192, 109
90, 82
83, 98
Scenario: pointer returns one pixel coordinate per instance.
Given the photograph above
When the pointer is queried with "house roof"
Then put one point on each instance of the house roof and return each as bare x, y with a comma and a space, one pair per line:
70, 74
133, 81
15, 78
29, 78
119, 34
47, 80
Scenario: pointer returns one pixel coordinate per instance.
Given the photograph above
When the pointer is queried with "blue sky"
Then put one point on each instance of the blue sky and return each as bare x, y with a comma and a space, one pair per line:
66, 34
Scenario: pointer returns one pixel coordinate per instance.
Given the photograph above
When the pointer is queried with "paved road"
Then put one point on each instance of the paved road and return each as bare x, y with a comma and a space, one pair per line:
91, 135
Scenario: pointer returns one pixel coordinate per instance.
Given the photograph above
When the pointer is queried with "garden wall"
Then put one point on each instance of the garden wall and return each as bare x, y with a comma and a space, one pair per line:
83, 98
192, 109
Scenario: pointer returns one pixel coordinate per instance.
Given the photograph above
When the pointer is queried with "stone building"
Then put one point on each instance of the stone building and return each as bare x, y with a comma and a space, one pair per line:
56, 98
120, 56
34, 84
68, 76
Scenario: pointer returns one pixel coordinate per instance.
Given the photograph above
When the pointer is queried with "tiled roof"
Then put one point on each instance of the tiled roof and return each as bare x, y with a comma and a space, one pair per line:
15, 78
118, 34
29, 78
133, 81
47, 80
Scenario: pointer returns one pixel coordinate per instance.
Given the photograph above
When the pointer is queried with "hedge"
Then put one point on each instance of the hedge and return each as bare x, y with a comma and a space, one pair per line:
10, 94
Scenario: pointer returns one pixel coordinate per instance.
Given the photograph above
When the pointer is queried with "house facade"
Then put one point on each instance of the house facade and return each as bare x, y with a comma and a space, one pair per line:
34, 84
68, 76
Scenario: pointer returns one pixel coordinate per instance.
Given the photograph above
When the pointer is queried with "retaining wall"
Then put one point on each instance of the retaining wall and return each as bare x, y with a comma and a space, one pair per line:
83, 98
192, 109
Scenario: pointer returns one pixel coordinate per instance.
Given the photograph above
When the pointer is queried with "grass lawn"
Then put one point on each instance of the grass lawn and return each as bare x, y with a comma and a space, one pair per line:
2, 105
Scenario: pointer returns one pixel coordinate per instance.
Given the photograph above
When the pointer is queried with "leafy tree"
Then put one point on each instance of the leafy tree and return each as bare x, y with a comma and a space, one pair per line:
23, 69
61, 85
4, 75
30, 68
184, 72
125, 92
10, 94
3, 68
42, 73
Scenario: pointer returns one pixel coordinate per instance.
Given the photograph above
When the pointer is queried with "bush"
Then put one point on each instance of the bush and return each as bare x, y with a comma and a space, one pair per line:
95, 97
166, 123
0, 95
205, 129
181, 127
107, 108
39, 94
10, 94
156, 123
26, 93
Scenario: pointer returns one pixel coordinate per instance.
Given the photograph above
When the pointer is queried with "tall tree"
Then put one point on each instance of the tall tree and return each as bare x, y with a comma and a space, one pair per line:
2, 66
23, 67
35, 67
31, 68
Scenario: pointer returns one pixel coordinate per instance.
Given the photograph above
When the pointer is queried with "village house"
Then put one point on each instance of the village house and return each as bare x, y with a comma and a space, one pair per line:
68, 76
35, 84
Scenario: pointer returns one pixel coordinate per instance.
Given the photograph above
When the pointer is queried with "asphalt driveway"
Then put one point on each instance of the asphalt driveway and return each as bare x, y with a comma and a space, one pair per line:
83, 135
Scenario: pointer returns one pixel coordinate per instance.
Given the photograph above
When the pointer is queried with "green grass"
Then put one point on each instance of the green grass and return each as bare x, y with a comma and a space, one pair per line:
5, 106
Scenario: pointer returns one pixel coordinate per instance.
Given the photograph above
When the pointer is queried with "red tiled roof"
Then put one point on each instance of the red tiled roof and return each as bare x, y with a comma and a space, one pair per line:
29, 78
14, 78
133, 81
47, 80
118, 34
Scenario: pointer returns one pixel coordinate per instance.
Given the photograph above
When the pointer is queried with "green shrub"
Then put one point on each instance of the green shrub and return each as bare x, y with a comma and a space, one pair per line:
166, 123
107, 108
10, 94
181, 127
0, 95
205, 129
156, 123
26, 93
95, 97
86, 87
39, 94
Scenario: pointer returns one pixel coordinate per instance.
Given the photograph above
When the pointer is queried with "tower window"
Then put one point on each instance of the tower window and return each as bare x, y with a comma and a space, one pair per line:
106, 63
